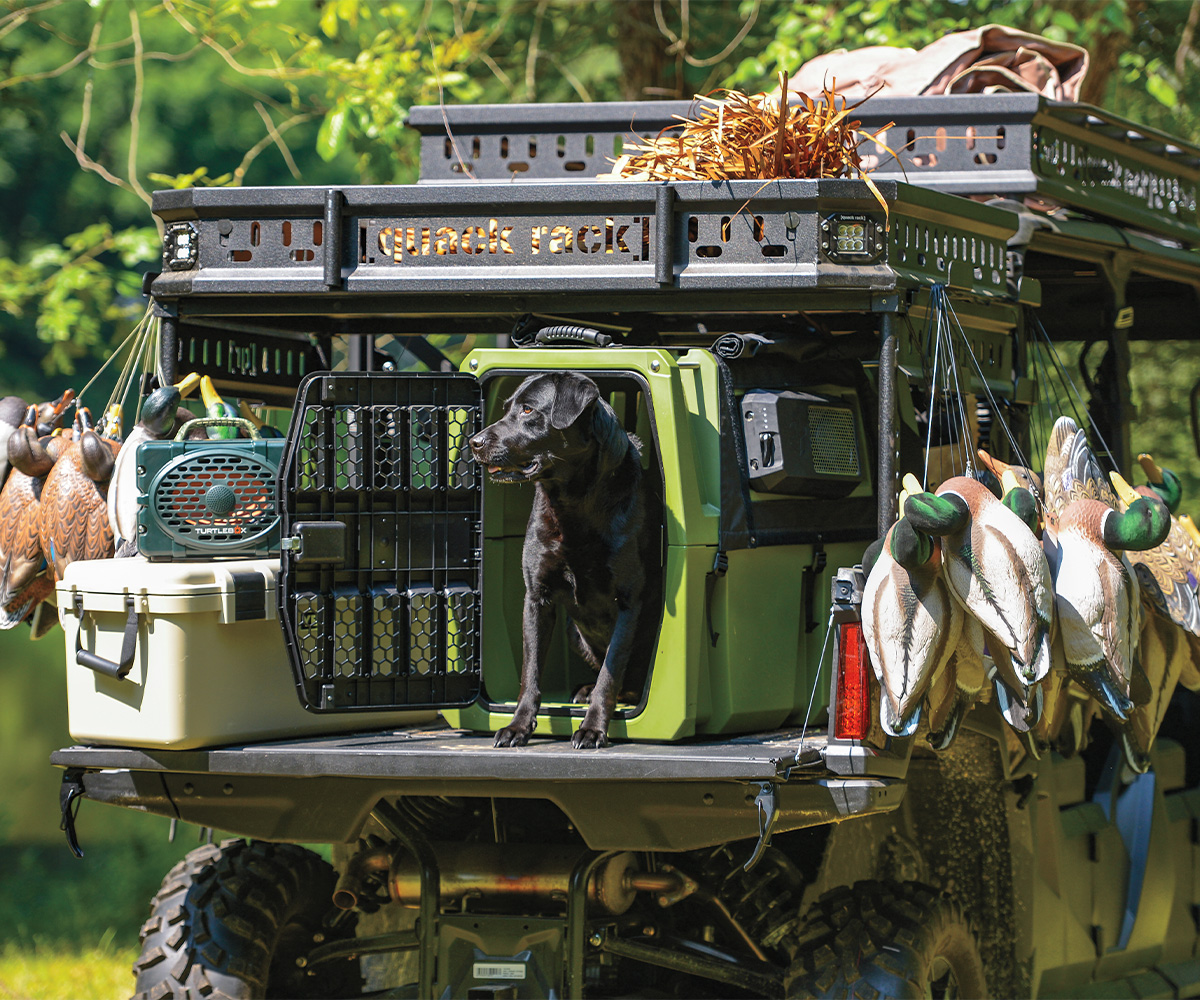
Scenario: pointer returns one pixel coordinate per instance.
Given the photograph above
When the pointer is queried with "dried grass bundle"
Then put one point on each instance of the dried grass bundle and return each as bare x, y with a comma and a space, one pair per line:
757, 137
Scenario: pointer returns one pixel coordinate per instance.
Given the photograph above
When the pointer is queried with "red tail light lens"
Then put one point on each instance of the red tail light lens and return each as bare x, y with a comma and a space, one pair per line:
852, 718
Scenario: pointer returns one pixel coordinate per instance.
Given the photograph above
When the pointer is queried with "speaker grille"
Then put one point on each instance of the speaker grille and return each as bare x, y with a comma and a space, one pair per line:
192, 498
834, 441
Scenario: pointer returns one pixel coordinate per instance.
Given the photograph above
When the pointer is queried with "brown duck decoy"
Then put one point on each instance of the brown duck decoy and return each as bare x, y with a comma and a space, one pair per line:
12, 415
23, 582
73, 522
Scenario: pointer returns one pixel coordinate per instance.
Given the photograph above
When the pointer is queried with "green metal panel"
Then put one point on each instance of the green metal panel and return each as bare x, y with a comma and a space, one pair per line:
761, 670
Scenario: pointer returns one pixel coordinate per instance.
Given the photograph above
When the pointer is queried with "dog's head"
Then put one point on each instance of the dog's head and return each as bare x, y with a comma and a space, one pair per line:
552, 424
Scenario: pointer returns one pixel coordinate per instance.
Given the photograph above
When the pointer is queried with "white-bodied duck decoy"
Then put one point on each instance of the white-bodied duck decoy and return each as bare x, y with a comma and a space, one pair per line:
911, 623
156, 422
995, 566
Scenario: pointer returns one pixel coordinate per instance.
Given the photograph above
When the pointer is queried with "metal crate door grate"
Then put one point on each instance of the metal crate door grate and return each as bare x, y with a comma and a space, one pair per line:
381, 503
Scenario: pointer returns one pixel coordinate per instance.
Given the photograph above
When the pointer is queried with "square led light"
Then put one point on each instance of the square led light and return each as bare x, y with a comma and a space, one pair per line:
852, 238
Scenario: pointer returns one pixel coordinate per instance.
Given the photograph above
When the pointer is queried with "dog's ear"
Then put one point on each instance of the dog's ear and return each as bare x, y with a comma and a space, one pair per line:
612, 442
575, 393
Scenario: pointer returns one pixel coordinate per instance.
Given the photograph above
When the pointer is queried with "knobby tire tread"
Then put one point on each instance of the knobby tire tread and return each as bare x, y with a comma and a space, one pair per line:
227, 921
878, 939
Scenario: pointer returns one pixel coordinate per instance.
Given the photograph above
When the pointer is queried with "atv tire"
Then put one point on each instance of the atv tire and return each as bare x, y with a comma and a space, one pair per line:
230, 921
886, 939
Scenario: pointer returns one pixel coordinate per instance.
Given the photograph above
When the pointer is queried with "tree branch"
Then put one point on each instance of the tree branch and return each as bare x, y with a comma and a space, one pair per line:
277, 137
49, 74
532, 56
253, 152
737, 40
279, 73
77, 147
135, 110
1186, 39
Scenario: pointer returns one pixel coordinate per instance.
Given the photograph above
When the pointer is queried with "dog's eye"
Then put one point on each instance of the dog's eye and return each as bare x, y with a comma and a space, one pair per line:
526, 409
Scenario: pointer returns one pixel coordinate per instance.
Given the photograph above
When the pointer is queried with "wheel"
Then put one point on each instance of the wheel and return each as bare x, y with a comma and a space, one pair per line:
886, 939
230, 921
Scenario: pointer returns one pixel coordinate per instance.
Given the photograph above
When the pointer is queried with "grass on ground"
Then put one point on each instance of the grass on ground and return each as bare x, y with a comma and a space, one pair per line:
69, 927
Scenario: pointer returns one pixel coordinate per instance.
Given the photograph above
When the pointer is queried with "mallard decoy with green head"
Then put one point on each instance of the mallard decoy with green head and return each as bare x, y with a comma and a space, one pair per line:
1164, 482
910, 621
995, 566
215, 406
73, 523
1097, 593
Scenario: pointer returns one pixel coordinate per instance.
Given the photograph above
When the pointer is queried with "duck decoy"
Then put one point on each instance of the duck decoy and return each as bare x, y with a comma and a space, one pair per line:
955, 689
73, 522
264, 429
155, 423
1025, 477
52, 412
215, 406
995, 566
12, 415
188, 384
23, 584
1097, 593
910, 621
1071, 473
1169, 572
1164, 482
1190, 527
1166, 577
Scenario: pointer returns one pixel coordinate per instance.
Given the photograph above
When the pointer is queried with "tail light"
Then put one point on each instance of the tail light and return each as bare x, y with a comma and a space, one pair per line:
852, 713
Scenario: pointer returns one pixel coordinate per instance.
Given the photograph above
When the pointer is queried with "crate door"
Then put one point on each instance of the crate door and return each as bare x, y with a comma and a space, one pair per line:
380, 502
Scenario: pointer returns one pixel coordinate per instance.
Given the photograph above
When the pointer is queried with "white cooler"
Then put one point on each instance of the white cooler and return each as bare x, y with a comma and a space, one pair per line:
201, 652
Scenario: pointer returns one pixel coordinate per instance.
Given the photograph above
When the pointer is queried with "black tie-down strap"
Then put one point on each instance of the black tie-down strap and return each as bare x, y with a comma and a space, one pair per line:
128, 643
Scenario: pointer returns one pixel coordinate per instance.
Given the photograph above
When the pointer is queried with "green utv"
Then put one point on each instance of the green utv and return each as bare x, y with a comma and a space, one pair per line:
326, 660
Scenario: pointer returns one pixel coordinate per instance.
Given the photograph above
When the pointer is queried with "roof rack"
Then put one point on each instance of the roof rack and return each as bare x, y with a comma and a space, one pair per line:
972, 144
626, 246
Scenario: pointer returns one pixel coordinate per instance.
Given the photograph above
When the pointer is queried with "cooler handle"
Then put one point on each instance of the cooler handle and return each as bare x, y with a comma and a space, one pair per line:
117, 671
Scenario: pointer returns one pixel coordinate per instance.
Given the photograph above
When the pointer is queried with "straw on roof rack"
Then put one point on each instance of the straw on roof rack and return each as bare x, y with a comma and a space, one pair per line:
756, 137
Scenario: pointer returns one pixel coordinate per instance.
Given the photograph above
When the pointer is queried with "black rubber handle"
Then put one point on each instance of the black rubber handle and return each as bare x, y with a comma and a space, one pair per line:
117, 671
573, 335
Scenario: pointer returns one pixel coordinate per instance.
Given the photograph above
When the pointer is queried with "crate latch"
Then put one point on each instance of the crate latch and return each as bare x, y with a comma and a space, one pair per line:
317, 542
117, 671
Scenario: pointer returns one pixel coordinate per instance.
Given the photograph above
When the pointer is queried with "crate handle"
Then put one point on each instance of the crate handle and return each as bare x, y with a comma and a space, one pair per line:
84, 658
239, 422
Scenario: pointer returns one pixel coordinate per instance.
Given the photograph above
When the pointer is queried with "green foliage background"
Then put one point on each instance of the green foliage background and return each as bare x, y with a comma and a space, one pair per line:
104, 100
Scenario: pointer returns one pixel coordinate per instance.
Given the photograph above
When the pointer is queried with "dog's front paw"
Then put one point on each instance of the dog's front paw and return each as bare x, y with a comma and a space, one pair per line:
589, 739
512, 736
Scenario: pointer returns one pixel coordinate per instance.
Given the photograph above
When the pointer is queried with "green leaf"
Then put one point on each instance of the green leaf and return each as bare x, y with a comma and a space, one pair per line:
331, 136
1161, 91
329, 20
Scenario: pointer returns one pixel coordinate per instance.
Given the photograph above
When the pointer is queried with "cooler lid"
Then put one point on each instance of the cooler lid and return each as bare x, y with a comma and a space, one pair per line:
229, 586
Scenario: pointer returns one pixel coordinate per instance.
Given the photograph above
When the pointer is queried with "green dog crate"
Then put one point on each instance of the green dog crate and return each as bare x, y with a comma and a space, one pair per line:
730, 646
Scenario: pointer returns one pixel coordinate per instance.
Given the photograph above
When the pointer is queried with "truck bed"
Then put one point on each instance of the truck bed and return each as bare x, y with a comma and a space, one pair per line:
627, 796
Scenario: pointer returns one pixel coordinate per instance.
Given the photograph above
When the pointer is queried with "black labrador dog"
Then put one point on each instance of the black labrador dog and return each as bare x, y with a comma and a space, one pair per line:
589, 546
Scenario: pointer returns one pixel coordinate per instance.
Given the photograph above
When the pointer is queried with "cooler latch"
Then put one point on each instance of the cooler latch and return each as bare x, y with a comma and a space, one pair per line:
117, 671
